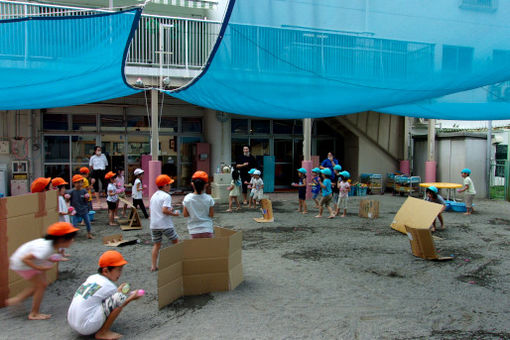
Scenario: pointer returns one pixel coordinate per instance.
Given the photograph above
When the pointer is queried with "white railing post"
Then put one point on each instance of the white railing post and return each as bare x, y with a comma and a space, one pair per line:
186, 45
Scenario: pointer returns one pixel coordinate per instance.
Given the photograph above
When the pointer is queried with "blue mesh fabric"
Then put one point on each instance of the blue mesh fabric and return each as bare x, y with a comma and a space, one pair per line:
318, 58
62, 61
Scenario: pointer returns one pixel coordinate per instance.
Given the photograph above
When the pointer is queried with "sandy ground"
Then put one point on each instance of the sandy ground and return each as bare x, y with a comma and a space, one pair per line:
348, 278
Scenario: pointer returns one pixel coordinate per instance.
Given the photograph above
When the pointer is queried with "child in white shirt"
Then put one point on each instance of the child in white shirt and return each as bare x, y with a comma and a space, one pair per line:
137, 192
199, 207
257, 188
112, 198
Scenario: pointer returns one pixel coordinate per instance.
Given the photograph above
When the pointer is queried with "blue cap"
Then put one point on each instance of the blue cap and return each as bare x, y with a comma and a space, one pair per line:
316, 170
302, 170
337, 168
326, 172
466, 171
251, 171
433, 189
345, 174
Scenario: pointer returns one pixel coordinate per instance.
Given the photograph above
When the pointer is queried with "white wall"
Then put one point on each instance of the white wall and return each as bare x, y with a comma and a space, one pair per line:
372, 160
218, 134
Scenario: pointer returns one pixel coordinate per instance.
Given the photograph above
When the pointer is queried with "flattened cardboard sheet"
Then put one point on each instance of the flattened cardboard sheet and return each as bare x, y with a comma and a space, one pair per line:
369, 209
117, 240
415, 213
422, 244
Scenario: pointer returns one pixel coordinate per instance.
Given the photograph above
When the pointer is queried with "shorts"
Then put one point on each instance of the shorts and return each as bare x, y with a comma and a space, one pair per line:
157, 235
325, 200
342, 202
111, 205
302, 196
28, 274
112, 302
468, 199
314, 195
334, 197
257, 195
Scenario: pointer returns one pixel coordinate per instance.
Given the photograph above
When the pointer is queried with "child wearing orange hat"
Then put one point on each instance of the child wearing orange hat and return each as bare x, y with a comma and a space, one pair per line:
112, 199
79, 200
84, 171
63, 210
40, 184
98, 301
199, 207
32, 259
161, 217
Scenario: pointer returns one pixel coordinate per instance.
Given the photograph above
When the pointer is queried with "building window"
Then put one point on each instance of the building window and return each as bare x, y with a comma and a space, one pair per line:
192, 125
260, 126
283, 126
56, 149
457, 59
168, 124
479, 5
84, 123
112, 123
55, 122
137, 123
239, 126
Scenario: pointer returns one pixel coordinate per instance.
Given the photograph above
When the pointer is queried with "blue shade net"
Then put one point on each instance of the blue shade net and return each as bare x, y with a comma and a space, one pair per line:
319, 58
62, 61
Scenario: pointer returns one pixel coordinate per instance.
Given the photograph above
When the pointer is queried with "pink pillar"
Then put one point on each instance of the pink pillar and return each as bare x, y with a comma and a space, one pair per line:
430, 171
145, 167
315, 162
405, 167
154, 171
308, 166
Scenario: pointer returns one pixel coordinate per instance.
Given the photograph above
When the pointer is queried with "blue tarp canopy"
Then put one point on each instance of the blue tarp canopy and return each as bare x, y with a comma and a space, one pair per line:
319, 58
62, 61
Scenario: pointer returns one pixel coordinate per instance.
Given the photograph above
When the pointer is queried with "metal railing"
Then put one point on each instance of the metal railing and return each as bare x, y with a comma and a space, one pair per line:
186, 43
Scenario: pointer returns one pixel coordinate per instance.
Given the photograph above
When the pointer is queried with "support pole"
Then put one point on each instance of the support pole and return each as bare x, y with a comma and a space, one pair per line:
405, 163
488, 158
154, 164
430, 164
307, 154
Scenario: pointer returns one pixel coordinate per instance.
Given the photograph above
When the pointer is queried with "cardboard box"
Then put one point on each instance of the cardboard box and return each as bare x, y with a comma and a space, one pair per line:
117, 240
200, 266
22, 219
369, 208
415, 213
422, 244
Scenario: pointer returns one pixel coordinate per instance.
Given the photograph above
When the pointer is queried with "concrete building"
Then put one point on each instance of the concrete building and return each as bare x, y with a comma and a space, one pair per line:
56, 141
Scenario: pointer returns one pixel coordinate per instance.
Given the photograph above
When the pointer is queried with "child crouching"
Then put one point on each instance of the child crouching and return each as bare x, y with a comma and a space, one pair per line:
98, 301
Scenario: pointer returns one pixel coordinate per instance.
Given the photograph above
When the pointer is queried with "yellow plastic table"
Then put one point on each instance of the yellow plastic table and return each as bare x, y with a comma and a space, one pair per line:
442, 185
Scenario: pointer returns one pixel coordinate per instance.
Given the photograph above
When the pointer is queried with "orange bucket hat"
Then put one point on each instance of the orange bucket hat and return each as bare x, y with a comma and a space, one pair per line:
163, 180
77, 178
58, 181
40, 184
201, 175
110, 174
111, 258
61, 228
84, 170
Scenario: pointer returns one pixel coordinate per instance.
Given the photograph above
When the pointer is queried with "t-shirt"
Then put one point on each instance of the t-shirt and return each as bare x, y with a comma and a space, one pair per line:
438, 200
198, 207
302, 190
236, 188
257, 183
42, 250
252, 164
79, 202
98, 162
316, 188
114, 197
86, 314
63, 208
345, 187
327, 187
471, 187
137, 194
86, 186
159, 220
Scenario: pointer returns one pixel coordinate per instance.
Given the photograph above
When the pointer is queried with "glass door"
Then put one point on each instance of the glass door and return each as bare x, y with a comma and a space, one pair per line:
114, 149
283, 163
82, 148
187, 156
138, 145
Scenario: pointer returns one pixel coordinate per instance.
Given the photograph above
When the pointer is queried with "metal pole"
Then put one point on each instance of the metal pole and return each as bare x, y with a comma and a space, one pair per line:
406, 138
307, 139
489, 157
154, 125
430, 140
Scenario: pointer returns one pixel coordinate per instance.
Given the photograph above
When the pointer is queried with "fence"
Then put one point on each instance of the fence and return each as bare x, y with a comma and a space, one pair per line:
498, 184
186, 43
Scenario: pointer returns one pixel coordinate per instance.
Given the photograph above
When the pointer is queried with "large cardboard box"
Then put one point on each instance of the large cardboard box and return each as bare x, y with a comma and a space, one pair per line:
415, 213
422, 244
369, 209
23, 218
200, 266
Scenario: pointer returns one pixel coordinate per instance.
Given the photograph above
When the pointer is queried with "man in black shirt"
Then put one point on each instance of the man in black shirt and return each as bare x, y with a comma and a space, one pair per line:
244, 163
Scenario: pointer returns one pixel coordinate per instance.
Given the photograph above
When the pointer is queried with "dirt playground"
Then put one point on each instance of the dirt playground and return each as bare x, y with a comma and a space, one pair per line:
310, 278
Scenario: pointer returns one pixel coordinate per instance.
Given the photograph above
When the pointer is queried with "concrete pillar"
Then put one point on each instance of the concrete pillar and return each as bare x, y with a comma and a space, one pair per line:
405, 164
430, 164
217, 133
307, 139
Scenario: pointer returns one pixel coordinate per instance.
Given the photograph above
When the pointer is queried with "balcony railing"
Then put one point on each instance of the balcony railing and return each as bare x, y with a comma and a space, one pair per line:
175, 42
